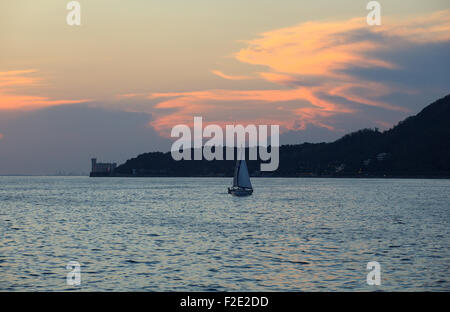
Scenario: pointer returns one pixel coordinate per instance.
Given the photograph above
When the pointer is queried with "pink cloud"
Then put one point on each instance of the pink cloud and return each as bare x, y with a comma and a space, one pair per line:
11, 98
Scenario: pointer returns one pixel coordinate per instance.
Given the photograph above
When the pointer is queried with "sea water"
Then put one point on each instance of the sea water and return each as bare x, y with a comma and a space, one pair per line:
188, 234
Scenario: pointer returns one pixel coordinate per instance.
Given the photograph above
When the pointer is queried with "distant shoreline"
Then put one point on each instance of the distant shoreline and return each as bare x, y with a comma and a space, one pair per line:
434, 177
416, 148
294, 177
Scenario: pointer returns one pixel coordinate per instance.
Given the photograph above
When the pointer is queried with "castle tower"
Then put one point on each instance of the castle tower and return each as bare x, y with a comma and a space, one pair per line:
94, 164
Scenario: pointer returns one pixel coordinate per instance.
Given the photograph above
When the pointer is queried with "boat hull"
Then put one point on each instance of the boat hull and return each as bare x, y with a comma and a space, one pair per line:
240, 192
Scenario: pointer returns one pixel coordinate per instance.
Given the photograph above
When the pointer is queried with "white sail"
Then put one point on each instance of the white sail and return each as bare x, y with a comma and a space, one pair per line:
236, 173
243, 179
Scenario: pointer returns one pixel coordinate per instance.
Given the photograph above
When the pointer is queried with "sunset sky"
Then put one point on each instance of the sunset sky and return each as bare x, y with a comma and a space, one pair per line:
115, 86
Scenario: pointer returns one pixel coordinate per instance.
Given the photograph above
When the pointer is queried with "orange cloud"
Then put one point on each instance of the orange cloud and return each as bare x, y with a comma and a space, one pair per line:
322, 48
308, 64
312, 48
291, 108
17, 77
132, 95
1, 136
229, 77
10, 98
434, 27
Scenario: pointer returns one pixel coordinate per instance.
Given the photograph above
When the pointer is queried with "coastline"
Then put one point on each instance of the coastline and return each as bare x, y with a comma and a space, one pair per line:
445, 176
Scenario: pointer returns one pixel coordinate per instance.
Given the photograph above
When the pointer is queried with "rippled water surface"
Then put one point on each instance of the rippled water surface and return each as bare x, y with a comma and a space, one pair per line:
171, 234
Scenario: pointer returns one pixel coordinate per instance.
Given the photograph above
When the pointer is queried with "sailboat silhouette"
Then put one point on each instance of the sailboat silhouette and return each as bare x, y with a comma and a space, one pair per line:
242, 186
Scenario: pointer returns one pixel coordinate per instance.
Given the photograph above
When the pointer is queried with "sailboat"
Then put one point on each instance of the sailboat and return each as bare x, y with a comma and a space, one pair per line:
241, 180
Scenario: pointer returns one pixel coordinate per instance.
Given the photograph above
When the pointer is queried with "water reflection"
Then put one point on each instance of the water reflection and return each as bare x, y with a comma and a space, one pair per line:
189, 235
